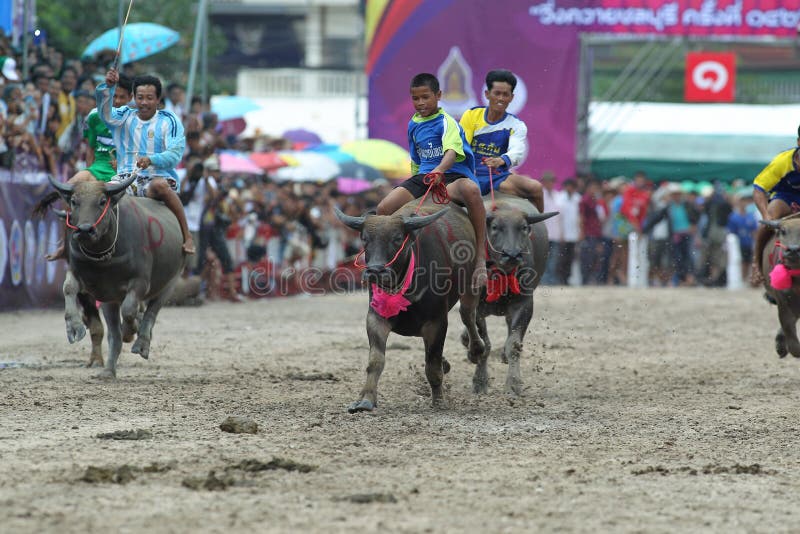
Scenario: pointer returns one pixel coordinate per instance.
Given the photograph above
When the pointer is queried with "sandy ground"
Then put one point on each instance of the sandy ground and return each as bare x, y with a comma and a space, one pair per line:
647, 411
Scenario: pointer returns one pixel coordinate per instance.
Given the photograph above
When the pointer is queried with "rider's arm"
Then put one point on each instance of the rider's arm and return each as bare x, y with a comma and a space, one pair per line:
113, 117
762, 201
517, 146
175, 145
773, 173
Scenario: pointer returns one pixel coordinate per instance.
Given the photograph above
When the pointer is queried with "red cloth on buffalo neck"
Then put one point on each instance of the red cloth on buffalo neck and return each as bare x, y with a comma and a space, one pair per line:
500, 284
388, 304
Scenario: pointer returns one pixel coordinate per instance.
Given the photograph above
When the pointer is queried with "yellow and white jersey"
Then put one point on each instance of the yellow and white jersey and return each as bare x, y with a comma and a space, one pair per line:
506, 138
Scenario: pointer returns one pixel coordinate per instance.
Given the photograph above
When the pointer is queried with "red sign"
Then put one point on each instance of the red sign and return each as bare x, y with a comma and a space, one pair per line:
710, 77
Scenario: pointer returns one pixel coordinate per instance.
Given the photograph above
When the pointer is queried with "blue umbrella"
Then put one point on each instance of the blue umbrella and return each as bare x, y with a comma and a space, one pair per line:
142, 39
232, 107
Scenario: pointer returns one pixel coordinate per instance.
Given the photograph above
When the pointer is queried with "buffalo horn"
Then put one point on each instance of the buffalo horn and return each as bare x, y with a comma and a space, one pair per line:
415, 223
539, 217
112, 188
356, 223
65, 190
772, 224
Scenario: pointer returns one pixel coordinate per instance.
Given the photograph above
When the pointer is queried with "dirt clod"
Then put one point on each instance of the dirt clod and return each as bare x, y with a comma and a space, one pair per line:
366, 498
136, 434
114, 475
312, 377
209, 483
239, 425
254, 466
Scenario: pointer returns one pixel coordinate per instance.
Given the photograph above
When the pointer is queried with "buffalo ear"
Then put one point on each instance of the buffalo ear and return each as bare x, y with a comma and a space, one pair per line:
61, 214
356, 223
774, 225
539, 217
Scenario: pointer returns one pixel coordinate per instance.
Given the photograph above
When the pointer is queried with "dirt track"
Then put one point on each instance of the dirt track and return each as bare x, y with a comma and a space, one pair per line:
661, 410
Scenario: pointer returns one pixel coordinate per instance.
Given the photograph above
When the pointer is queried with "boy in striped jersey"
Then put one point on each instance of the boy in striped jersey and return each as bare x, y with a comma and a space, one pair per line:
500, 141
147, 139
437, 146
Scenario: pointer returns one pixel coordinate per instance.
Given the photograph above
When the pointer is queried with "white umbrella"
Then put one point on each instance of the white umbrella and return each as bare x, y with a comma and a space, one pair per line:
307, 167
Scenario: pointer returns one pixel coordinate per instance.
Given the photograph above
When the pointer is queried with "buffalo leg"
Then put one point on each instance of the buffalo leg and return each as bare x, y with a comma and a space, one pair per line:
111, 313
72, 308
92, 318
480, 380
142, 344
130, 312
780, 344
469, 305
789, 326
517, 321
378, 330
434, 334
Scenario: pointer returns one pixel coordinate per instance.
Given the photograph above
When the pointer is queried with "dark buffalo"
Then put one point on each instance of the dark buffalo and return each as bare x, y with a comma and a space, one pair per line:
123, 251
517, 248
443, 245
781, 258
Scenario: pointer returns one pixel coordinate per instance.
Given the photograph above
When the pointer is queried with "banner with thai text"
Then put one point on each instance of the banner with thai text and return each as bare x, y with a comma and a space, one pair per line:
539, 42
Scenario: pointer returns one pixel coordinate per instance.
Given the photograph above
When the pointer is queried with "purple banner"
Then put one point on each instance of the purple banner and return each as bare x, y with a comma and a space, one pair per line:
27, 280
460, 46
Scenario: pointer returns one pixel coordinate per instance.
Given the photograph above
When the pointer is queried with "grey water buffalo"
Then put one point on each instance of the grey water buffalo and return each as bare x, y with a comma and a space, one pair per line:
781, 259
517, 248
418, 266
123, 251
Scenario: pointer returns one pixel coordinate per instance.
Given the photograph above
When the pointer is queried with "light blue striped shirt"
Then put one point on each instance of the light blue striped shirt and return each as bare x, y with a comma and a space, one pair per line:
161, 138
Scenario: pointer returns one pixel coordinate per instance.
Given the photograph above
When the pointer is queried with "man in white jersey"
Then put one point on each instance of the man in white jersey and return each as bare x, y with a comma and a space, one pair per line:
147, 139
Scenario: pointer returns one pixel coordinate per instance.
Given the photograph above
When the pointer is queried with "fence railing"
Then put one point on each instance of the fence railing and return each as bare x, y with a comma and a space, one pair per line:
262, 83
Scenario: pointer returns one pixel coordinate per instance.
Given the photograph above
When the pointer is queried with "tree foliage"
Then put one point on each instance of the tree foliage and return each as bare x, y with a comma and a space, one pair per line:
72, 24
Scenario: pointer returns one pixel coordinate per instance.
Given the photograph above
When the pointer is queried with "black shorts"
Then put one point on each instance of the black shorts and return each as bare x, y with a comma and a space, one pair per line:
417, 187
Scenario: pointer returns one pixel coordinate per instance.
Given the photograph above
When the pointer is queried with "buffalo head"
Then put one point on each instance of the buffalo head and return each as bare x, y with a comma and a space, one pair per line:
383, 236
787, 231
87, 201
509, 235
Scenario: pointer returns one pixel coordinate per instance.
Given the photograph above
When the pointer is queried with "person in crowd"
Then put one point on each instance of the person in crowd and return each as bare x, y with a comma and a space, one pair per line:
499, 141
592, 215
743, 223
717, 209
66, 101
551, 199
635, 199
439, 150
570, 220
658, 247
682, 218
175, 100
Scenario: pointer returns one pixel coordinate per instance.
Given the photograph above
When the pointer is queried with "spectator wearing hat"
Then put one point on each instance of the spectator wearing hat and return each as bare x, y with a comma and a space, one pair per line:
8, 68
682, 218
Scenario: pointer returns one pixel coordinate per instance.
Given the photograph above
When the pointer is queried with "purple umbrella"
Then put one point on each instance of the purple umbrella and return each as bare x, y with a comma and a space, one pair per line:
302, 136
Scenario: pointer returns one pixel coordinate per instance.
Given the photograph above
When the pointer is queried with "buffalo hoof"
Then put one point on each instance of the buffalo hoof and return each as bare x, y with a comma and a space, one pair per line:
780, 345
515, 386
98, 361
76, 332
438, 403
480, 387
106, 374
363, 405
141, 347
503, 356
465, 338
445, 366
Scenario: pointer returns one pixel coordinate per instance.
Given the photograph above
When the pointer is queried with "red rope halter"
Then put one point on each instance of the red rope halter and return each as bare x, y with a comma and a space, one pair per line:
105, 210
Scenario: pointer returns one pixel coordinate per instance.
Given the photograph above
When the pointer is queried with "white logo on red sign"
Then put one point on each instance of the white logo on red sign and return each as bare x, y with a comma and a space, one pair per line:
710, 76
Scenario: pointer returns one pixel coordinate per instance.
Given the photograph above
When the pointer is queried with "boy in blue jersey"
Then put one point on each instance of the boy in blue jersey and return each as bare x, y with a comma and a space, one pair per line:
776, 193
499, 141
147, 139
437, 145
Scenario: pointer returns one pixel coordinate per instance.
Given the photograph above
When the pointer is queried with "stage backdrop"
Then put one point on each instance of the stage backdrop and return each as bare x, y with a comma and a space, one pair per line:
26, 279
461, 40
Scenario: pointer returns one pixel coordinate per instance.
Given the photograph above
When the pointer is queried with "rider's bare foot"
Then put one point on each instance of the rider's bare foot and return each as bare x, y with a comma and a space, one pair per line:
756, 277
188, 246
479, 275
57, 254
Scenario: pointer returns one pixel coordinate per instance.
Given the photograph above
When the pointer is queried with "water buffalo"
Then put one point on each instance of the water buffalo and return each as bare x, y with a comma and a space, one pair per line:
418, 267
123, 250
781, 259
517, 248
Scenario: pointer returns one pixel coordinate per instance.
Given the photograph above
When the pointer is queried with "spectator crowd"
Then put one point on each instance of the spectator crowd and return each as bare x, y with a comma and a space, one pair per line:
249, 219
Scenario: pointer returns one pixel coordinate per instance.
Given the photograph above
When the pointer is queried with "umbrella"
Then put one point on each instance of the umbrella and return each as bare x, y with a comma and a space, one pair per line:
236, 162
310, 167
354, 169
268, 160
333, 152
389, 158
232, 107
352, 186
142, 39
302, 136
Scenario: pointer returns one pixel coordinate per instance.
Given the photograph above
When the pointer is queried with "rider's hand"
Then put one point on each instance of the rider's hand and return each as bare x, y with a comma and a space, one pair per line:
143, 163
494, 162
112, 77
